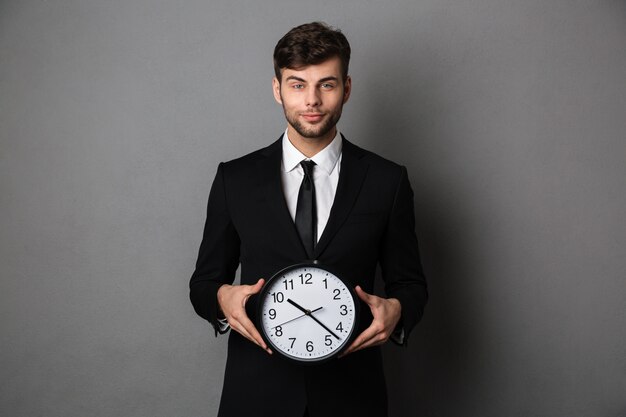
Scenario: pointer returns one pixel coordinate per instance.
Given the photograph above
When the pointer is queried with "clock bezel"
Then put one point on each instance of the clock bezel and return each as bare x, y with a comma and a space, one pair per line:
264, 293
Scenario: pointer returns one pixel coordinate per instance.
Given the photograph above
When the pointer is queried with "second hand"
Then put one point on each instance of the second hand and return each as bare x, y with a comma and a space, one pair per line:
295, 318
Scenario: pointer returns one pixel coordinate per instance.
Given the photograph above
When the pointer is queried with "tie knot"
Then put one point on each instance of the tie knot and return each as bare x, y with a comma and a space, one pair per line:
307, 166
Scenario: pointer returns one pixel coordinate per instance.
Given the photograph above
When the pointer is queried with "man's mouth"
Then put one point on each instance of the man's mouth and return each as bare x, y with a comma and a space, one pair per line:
312, 117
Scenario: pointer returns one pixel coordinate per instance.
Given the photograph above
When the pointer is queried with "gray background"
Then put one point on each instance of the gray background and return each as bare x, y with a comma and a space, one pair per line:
510, 116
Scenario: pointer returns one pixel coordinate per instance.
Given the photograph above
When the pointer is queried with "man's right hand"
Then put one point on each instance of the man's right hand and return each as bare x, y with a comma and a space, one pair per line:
232, 301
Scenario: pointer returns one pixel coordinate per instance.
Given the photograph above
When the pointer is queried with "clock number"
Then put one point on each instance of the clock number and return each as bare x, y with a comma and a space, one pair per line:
337, 293
279, 331
339, 327
308, 277
278, 297
309, 346
293, 340
325, 281
272, 313
288, 284
344, 310
327, 340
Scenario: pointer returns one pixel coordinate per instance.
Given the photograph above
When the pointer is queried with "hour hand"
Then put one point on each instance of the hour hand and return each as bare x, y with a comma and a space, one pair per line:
299, 307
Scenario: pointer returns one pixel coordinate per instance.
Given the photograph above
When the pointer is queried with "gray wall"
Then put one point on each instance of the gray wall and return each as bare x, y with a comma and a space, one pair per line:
510, 117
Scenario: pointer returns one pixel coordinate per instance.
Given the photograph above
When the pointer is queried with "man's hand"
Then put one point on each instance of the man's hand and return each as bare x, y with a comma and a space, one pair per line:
232, 300
386, 312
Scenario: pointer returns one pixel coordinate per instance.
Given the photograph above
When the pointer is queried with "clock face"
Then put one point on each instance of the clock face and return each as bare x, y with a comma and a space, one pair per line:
307, 313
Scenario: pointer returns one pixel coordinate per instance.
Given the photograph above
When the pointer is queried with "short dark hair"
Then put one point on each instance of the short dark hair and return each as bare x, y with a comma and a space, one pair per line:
311, 44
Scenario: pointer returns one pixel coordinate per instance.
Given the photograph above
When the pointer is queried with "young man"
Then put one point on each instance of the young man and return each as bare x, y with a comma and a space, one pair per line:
362, 208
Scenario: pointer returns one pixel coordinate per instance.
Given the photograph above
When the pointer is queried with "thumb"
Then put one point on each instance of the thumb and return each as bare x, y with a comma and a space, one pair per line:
252, 289
367, 298
257, 287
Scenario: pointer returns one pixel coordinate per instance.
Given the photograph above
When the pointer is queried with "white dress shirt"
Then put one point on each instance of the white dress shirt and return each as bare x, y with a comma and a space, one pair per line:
325, 177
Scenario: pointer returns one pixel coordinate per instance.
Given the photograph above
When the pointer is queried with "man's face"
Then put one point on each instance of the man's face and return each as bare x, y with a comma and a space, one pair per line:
312, 98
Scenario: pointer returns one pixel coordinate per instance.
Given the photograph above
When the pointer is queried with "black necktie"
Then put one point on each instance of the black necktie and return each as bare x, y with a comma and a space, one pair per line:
306, 217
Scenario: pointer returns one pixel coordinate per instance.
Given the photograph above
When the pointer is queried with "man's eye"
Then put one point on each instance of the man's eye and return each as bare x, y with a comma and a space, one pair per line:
327, 86
298, 86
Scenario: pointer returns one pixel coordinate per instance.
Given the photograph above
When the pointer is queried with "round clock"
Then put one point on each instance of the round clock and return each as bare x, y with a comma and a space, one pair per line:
307, 313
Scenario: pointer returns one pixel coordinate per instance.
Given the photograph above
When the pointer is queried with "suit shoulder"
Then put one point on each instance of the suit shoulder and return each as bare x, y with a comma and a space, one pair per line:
377, 162
245, 163
248, 158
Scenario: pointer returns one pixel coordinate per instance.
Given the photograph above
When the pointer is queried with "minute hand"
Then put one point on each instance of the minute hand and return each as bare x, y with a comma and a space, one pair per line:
308, 313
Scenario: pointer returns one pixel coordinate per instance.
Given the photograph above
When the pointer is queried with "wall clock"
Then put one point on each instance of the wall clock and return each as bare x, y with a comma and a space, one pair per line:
307, 313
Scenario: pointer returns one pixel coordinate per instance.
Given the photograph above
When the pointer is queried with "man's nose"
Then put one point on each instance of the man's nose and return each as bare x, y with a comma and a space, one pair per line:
313, 97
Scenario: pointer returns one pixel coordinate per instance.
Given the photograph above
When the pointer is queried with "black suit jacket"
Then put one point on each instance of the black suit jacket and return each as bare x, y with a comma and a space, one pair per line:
371, 223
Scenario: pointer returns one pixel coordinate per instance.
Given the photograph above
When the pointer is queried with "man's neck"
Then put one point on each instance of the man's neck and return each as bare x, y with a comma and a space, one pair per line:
310, 146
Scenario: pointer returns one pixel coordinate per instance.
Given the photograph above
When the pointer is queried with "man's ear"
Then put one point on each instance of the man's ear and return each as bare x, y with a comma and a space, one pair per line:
276, 90
347, 89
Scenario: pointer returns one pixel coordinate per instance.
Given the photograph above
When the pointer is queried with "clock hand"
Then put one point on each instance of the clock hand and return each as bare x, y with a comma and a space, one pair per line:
295, 318
308, 313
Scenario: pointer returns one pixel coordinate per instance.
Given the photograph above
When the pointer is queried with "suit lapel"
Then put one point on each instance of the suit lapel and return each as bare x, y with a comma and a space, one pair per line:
269, 180
353, 171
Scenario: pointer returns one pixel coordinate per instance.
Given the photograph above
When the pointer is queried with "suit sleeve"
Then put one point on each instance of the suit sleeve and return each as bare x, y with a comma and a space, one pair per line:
400, 259
218, 256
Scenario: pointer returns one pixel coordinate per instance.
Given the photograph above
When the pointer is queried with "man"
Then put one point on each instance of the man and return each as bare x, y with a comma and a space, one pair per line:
362, 212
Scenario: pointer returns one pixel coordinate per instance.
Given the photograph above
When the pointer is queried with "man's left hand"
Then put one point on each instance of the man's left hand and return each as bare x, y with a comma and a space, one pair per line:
386, 313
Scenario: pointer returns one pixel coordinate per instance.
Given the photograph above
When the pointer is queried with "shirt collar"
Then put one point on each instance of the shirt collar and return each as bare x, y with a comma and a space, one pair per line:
326, 158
